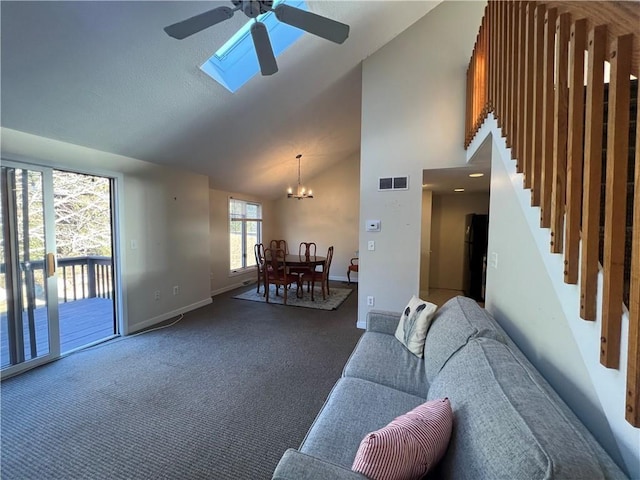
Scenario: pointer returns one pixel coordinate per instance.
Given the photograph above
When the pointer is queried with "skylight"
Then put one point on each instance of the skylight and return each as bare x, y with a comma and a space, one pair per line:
236, 62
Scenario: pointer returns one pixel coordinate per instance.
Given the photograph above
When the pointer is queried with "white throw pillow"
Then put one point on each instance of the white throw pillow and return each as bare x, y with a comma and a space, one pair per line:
414, 323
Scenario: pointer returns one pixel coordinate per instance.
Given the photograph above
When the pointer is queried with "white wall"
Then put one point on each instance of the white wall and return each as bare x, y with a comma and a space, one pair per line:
330, 218
165, 211
221, 278
447, 236
527, 295
413, 97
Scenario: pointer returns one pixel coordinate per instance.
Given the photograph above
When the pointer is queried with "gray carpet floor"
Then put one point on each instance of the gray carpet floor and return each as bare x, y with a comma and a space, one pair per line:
220, 395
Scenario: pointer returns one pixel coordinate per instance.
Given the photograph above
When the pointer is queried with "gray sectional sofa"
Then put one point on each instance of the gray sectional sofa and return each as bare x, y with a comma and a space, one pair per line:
508, 421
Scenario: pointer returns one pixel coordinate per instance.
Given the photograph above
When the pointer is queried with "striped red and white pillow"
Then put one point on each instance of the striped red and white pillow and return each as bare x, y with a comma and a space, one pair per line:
409, 446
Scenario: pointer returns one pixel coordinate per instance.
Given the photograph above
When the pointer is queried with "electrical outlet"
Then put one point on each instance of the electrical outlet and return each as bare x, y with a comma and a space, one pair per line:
156, 295
493, 262
176, 289
370, 301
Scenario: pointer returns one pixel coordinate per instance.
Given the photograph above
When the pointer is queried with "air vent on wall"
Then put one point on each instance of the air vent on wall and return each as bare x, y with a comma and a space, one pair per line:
393, 183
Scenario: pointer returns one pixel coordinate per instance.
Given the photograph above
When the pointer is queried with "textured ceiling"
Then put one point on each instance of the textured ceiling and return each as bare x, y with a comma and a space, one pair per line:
105, 75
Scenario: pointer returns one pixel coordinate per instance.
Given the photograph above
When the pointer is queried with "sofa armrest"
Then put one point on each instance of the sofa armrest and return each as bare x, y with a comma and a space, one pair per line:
295, 465
382, 322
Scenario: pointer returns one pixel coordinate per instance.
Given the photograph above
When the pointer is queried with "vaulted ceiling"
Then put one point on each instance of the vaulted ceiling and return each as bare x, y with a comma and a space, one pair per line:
105, 75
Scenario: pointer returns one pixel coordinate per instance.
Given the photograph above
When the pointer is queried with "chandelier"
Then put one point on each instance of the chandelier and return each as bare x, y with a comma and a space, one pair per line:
301, 192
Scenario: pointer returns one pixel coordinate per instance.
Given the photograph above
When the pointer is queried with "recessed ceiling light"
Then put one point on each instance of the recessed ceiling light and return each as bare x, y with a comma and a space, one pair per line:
475, 175
458, 189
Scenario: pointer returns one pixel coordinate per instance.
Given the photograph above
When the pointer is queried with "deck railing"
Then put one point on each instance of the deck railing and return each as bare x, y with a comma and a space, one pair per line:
88, 276
540, 68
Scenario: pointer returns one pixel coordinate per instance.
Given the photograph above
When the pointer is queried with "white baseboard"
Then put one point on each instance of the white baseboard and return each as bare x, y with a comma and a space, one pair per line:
232, 287
362, 325
166, 316
253, 282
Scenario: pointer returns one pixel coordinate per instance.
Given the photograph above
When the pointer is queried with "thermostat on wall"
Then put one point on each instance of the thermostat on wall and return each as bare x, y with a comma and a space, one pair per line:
373, 225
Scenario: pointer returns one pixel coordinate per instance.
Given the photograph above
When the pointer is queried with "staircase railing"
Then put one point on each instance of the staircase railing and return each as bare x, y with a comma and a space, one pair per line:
540, 68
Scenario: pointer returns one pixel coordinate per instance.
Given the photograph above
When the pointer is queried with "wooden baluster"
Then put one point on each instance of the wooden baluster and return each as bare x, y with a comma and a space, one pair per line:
504, 65
471, 89
529, 88
468, 113
521, 85
538, 102
526, 87
513, 79
615, 199
575, 151
592, 172
500, 64
544, 169
493, 30
490, 60
560, 118
633, 358
507, 72
484, 73
515, 83
487, 54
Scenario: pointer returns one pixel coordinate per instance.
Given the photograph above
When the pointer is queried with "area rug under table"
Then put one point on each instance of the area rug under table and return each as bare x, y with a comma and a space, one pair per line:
332, 302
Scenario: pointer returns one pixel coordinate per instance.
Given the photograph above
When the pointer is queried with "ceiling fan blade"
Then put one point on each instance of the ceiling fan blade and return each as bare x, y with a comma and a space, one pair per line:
310, 22
264, 51
198, 23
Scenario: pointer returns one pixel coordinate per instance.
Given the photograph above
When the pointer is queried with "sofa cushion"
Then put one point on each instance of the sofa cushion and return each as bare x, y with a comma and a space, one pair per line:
380, 358
409, 446
382, 321
505, 425
457, 321
414, 322
354, 408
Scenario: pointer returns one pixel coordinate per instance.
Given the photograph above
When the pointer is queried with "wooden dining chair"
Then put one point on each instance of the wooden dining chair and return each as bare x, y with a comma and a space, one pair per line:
322, 276
306, 250
258, 250
353, 267
281, 244
276, 273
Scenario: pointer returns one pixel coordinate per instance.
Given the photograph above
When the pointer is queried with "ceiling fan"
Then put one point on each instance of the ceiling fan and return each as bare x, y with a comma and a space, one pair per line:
309, 22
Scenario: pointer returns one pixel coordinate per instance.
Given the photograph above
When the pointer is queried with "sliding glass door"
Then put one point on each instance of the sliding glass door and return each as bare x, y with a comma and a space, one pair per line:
28, 289
57, 269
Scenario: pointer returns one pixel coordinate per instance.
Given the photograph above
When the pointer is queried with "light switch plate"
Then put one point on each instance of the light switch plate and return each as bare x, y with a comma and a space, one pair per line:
371, 245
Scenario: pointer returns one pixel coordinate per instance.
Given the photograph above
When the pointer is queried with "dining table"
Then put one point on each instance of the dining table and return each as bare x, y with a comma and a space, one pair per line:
292, 260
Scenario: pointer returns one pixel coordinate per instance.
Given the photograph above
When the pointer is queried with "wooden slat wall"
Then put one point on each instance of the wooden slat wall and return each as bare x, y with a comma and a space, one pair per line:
528, 68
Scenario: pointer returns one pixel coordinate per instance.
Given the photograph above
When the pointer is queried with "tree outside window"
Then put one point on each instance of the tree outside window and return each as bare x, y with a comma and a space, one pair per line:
245, 230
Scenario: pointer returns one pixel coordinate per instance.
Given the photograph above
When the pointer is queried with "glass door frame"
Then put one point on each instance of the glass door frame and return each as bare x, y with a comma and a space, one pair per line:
50, 278
82, 166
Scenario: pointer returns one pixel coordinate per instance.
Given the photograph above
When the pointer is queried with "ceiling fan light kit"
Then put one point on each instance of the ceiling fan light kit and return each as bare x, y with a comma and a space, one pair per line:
323, 27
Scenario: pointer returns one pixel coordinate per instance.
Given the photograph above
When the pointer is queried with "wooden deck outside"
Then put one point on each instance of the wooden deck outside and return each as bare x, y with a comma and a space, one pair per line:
81, 322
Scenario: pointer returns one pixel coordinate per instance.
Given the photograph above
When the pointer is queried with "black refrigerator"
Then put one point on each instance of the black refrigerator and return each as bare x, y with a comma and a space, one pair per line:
476, 239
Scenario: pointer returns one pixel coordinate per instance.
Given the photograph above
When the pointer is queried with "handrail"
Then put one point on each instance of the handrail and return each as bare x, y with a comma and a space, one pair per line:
93, 278
528, 69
